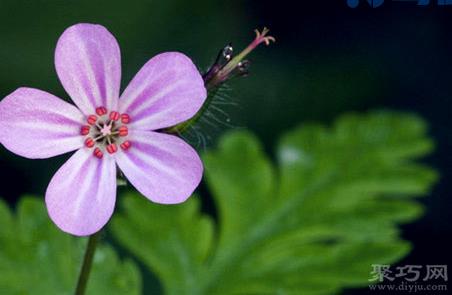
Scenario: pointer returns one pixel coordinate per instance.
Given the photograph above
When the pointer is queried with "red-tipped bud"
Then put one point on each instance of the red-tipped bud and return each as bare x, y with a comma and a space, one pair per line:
85, 130
125, 119
126, 145
123, 131
114, 116
92, 119
89, 142
101, 111
112, 148
98, 153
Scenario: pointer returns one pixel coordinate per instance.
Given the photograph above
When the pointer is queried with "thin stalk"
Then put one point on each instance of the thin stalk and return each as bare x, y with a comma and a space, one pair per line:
226, 67
87, 264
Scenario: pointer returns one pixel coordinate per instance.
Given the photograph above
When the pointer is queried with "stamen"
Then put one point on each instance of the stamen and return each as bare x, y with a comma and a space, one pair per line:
123, 131
101, 111
104, 133
100, 136
125, 119
126, 145
227, 52
92, 119
114, 116
89, 142
112, 148
228, 66
262, 37
98, 153
85, 130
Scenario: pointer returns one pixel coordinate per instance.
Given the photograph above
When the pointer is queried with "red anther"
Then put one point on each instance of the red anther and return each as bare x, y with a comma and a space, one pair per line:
92, 119
85, 130
125, 119
126, 145
98, 153
112, 148
114, 116
101, 111
123, 131
89, 142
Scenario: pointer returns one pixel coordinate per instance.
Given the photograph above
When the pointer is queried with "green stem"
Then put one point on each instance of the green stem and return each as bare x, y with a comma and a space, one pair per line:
219, 73
87, 264
182, 127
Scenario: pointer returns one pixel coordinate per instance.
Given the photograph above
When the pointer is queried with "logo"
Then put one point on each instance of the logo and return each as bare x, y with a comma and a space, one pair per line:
409, 278
378, 3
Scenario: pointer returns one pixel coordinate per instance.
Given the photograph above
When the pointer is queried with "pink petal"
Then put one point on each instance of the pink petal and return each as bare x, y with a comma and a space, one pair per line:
81, 196
35, 124
88, 63
166, 91
162, 167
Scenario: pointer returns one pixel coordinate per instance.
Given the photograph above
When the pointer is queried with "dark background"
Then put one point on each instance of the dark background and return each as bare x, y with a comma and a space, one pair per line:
328, 59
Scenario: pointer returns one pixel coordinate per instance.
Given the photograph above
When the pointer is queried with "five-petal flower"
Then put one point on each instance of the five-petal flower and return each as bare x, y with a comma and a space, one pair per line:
107, 129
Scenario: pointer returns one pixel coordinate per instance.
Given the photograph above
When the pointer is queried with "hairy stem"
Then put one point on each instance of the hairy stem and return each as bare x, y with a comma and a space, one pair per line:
87, 264
225, 68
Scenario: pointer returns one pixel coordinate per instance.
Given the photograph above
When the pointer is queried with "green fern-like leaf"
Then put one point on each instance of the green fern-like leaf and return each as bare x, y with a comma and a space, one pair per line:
311, 224
37, 258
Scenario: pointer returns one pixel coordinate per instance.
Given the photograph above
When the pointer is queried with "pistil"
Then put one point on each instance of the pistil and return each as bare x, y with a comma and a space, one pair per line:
105, 131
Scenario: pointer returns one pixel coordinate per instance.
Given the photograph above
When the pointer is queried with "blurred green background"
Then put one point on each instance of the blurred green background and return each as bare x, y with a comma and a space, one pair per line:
328, 59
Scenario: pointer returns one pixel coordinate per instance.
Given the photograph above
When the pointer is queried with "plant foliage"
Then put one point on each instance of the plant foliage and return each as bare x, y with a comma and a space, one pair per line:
37, 258
311, 223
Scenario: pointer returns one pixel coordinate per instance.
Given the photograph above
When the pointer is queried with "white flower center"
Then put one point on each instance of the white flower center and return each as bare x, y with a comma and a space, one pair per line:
105, 132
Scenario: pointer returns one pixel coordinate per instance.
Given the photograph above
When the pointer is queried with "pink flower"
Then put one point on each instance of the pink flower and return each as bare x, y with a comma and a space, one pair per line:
107, 129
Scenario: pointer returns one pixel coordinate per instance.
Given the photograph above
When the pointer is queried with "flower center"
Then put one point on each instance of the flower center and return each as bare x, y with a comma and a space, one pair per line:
106, 131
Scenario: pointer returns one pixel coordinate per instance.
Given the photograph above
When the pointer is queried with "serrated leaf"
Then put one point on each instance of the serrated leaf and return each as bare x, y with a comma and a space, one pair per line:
312, 224
37, 258
173, 240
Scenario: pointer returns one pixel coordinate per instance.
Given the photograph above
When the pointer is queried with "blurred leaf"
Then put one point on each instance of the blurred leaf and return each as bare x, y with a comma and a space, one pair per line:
175, 240
312, 225
37, 258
